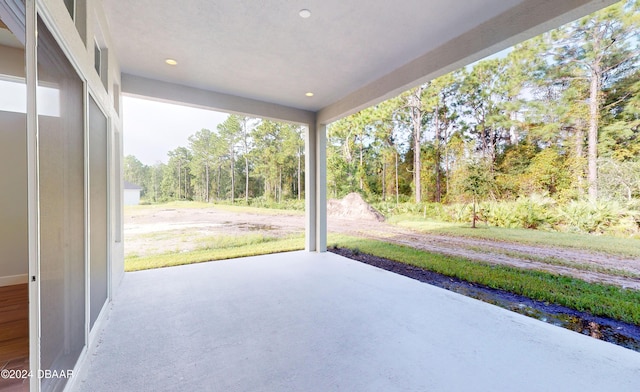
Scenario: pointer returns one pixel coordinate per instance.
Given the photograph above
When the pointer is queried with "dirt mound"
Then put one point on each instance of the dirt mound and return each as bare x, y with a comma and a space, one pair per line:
353, 206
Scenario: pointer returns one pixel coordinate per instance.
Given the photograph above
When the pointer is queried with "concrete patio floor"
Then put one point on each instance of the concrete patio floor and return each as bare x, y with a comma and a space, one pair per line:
320, 322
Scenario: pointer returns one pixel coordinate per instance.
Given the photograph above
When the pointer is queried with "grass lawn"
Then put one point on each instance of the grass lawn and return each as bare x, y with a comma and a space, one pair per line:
223, 248
598, 299
598, 243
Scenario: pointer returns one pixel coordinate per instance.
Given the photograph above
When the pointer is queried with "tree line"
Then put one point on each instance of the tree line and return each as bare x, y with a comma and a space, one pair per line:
558, 115
243, 158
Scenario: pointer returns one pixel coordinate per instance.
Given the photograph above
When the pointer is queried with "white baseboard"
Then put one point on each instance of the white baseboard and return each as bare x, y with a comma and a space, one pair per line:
14, 279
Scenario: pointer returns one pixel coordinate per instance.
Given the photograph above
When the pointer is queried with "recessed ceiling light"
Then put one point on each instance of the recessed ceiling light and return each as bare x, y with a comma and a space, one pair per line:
309, 94
305, 13
171, 62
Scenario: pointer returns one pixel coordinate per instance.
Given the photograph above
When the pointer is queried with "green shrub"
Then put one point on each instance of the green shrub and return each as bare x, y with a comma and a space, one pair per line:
533, 212
458, 213
587, 217
498, 214
633, 211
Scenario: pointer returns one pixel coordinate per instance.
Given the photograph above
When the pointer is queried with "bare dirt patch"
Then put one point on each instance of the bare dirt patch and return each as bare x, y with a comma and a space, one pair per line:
353, 206
160, 230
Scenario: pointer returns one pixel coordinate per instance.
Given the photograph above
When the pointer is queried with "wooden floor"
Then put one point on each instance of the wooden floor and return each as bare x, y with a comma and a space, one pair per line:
14, 335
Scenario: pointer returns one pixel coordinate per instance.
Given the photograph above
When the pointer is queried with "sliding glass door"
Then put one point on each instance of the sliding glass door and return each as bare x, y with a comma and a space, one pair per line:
62, 209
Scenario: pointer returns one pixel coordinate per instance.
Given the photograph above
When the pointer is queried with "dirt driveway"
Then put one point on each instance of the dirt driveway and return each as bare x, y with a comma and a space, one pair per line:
159, 230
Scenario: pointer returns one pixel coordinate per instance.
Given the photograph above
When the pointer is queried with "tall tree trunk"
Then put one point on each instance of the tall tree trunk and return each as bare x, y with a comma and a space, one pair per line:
153, 181
437, 142
473, 224
415, 101
360, 171
179, 182
579, 153
279, 185
384, 179
206, 188
594, 106
299, 174
397, 186
219, 182
416, 160
246, 180
447, 166
245, 136
233, 176
186, 189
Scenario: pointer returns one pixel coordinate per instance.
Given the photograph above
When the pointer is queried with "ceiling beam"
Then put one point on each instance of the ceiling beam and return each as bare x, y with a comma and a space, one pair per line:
205, 99
528, 19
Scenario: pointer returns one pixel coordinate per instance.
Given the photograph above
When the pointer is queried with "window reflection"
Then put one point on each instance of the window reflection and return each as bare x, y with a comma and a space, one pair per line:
13, 97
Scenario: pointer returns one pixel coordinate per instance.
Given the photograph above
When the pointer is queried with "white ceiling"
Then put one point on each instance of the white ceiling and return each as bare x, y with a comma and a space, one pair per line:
263, 50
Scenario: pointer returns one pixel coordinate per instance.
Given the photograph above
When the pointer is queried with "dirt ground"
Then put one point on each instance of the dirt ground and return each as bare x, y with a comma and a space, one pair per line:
159, 230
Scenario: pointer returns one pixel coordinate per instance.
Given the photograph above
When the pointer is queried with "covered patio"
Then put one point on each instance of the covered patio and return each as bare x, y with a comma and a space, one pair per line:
305, 321
296, 321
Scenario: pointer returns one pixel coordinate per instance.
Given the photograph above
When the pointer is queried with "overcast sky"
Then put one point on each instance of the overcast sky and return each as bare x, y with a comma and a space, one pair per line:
151, 129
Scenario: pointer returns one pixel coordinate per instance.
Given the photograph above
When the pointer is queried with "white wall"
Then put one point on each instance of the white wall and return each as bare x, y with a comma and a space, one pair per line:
14, 262
131, 197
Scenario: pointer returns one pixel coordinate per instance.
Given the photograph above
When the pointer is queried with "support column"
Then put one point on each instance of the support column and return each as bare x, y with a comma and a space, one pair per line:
321, 188
316, 188
310, 188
